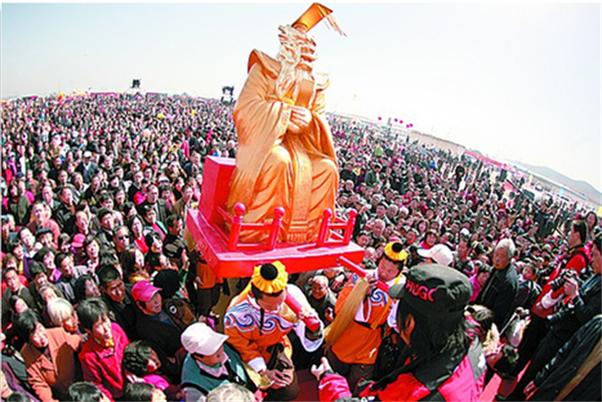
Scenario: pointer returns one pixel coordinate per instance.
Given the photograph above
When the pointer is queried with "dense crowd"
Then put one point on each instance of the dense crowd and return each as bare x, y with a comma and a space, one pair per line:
103, 299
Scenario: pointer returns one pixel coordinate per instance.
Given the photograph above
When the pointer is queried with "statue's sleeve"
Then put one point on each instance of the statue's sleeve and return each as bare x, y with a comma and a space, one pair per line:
259, 117
318, 139
319, 105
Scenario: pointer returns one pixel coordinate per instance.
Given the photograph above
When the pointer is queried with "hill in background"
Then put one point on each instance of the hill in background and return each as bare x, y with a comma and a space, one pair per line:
577, 185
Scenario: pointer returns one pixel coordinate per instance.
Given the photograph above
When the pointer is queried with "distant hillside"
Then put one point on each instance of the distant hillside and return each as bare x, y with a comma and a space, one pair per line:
577, 185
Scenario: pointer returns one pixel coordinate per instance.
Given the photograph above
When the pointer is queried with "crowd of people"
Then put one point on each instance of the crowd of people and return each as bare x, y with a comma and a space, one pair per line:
103, 299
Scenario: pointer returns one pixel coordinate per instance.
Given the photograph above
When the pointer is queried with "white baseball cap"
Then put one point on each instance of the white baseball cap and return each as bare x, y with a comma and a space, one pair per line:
200, 338
439, 253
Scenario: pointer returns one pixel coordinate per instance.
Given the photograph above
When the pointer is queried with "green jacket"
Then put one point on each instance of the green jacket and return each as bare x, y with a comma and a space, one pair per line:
20, 211
193, 376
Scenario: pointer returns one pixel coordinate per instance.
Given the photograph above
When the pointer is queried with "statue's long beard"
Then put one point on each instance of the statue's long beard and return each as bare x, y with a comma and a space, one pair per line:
296, 51
288, 79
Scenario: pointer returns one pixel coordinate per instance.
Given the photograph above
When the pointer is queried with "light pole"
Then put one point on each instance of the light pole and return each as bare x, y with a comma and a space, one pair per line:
408, 127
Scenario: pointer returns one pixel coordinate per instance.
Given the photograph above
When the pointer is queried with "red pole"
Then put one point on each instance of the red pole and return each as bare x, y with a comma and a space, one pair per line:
313, 323
276, 225
359, 271
350, 225
323, 233
239, 211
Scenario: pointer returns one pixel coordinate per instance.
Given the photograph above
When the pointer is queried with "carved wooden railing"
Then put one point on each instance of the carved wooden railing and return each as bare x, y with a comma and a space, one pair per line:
327, 235
237, 225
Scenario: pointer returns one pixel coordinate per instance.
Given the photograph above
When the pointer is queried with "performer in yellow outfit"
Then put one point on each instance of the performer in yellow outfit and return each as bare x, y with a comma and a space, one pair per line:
362, 309
286, 155
257, 323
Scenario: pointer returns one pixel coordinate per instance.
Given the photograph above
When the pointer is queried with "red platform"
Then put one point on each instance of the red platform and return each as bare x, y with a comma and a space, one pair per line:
230, 258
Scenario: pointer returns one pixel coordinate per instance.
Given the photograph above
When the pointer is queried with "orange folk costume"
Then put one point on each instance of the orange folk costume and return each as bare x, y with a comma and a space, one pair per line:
360, 340
275, 167
253, 330
359, 343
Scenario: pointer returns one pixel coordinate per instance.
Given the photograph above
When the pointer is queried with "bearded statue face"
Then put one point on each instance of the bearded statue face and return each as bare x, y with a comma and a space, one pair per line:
296, 57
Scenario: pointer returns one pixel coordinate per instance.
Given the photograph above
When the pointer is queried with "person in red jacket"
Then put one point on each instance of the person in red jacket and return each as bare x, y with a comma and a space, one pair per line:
576, 260
440, 361
102, 354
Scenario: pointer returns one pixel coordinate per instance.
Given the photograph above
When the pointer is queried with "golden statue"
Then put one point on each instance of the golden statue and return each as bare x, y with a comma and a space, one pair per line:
286, 155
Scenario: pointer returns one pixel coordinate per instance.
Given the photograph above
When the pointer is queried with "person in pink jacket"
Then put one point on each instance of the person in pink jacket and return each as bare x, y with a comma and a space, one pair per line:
440, 361
102, 353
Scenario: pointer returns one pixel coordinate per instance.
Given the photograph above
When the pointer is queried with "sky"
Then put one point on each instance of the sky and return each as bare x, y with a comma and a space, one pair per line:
515, 81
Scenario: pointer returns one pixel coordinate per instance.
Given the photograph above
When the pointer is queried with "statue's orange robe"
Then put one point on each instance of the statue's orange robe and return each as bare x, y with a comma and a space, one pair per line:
275, 167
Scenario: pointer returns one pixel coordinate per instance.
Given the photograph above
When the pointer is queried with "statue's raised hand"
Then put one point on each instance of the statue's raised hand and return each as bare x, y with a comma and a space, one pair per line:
300, 116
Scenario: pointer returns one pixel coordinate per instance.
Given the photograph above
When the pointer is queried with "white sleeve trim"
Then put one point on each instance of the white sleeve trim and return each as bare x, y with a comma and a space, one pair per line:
298, 295
359, 314
309, 345
548, 301
258, 364
392, 318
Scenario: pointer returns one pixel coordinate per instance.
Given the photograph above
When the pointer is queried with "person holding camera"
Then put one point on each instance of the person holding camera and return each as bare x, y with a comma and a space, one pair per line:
576, 261
584, 305
573, 265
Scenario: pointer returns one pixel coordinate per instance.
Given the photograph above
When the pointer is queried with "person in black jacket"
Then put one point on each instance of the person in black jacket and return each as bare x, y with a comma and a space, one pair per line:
528, 288
153, 201
585, 304
65, 213
565, 366
153, 324
174, 246
17, 205
107, 224
14, 287
116, 296
501, 289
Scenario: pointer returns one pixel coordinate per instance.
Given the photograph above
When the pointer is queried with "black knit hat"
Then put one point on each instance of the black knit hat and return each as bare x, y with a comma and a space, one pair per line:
169, 282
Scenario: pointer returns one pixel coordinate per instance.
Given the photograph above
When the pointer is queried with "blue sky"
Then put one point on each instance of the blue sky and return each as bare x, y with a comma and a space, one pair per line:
515, 81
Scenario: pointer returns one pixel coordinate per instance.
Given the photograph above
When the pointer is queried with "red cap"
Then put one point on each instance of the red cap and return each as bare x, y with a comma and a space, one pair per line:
78, 240
143, 291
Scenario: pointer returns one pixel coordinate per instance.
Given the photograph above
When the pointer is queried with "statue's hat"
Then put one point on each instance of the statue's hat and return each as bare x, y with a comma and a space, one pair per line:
316, 13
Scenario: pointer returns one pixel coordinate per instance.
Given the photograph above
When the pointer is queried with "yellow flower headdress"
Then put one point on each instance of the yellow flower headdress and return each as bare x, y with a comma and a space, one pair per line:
270, 278
395, 252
